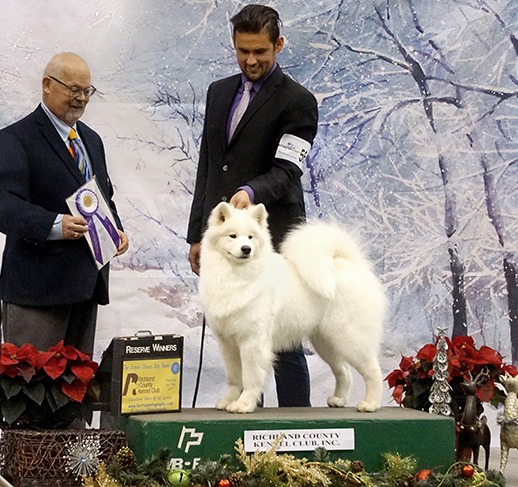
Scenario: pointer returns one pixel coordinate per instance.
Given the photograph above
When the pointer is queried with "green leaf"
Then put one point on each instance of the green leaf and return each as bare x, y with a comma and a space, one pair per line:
35, 391
56, 398
87, 413
422, 387
94, 390
10, 387
13, 409
68, 376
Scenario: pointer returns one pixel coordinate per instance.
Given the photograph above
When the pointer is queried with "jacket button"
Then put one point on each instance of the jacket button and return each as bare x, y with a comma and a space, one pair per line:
223, 198
225, 168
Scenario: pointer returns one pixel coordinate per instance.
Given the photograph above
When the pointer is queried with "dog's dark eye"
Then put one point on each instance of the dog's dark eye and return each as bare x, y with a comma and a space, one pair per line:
250, 237
233, 235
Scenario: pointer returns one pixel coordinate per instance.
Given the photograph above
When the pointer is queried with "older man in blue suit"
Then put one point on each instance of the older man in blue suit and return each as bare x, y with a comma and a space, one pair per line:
50, 285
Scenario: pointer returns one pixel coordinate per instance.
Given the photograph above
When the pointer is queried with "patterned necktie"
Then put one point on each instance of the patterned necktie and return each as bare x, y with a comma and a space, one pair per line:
240, 109
78, 151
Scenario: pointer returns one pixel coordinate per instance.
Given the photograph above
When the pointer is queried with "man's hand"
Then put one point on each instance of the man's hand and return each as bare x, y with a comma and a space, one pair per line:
73, 227
194, 257
123, 244
240, 199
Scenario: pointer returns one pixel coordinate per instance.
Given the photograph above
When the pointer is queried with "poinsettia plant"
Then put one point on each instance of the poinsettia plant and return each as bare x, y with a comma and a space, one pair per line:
46, 389
413, 379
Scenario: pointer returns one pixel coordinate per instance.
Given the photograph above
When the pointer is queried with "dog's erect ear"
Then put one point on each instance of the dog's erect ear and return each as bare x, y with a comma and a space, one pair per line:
260, 214
220, 213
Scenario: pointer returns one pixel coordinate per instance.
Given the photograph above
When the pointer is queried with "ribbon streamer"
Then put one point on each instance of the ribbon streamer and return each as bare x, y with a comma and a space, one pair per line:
87, 203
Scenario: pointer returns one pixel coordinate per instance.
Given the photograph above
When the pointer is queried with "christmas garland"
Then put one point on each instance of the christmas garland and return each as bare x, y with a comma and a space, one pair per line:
269, 469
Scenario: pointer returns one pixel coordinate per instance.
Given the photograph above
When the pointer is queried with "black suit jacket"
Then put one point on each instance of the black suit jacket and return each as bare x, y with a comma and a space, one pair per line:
37, 174
281, 106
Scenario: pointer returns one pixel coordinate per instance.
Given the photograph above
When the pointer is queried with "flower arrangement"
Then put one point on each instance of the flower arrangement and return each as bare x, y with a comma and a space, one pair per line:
45, 389
413, 379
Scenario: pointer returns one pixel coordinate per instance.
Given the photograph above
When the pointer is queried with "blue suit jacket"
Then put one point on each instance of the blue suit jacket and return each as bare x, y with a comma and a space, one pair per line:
282, 106
37, 174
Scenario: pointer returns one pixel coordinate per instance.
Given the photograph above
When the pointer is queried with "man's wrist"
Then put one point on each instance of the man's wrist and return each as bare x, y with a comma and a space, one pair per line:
56, 232
249, 191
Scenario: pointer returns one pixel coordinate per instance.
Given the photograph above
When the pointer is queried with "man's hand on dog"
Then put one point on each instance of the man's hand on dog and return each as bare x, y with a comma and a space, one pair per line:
240, 199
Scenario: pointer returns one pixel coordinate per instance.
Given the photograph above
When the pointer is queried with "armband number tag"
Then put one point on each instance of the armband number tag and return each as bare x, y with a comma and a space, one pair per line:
293, 149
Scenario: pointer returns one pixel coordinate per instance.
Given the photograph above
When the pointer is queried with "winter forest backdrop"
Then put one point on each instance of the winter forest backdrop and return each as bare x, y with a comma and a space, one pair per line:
417, 146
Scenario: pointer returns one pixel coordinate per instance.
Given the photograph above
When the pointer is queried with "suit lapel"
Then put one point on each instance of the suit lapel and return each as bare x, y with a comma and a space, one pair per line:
51, 135
224, 103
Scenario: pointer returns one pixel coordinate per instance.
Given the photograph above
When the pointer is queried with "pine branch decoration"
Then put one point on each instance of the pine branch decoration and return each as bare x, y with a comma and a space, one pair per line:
280, 469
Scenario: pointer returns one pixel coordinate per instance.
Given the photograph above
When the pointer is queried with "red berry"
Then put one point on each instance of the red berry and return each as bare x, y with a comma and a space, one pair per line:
468, 471
423, 474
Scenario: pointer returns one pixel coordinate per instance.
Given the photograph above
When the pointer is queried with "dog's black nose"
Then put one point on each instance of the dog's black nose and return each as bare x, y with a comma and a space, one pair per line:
246, 249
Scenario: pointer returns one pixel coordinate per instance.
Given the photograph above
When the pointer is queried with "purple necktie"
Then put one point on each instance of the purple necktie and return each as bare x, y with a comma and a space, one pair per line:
240, 109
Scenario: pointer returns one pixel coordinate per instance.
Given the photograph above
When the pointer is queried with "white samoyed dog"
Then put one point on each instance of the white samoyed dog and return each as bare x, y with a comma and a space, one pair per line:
258, 302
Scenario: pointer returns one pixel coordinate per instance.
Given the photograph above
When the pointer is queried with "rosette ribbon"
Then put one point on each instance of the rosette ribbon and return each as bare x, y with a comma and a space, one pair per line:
87, 204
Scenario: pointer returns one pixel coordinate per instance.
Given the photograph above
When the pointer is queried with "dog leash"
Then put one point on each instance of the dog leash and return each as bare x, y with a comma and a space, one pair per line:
200, 363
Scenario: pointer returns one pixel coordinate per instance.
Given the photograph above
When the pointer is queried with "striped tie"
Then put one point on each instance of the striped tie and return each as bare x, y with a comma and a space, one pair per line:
78, 152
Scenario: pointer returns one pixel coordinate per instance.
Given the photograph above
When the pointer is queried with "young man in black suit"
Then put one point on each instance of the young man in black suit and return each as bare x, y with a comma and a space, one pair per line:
49, 283
258, 158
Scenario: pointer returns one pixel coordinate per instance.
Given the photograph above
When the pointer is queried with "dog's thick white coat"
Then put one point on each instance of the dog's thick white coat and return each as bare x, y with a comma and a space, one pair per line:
258, 302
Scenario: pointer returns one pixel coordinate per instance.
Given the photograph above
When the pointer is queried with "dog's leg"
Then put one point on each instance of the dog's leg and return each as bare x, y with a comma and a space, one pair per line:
363, 358
370, 370
343, 381
232, 361
337, 354
256, 359
335, 359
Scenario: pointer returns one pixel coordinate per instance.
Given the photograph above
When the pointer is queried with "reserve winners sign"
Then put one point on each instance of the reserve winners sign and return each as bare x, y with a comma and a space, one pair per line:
146, 374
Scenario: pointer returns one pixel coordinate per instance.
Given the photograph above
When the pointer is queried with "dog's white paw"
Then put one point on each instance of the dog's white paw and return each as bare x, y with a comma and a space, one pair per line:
336, 402
222, 404
240, 407
367, 407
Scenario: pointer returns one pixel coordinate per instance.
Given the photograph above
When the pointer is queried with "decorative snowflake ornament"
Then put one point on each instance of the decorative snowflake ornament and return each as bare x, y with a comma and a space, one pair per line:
82, 457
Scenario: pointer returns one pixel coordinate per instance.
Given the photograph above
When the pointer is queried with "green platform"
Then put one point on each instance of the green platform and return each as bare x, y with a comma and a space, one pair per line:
195, 434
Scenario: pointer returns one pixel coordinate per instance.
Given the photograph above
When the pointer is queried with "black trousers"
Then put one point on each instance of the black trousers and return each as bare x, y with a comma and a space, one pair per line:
292, 379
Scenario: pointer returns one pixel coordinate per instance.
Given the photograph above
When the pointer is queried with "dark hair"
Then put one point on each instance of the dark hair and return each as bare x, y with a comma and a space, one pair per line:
253, 18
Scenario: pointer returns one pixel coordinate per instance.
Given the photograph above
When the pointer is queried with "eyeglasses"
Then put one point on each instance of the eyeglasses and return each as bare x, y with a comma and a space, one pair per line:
74, 91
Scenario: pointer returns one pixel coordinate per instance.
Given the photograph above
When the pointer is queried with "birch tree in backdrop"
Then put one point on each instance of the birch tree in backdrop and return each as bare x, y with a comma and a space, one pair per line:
423, 117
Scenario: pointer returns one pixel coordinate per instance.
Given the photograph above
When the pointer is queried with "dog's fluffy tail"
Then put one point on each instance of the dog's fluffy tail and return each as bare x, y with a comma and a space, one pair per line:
314, 247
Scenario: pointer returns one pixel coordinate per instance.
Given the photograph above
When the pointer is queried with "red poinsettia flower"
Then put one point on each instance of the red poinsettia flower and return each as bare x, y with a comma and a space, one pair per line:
62, 367
414, 377
406, 363
9, 355
510, 369
486, 391
18, 361
394, 377
397, 394
84, 371
484, 356
427, 352
75, 391
12, 355
461, 341
55, 361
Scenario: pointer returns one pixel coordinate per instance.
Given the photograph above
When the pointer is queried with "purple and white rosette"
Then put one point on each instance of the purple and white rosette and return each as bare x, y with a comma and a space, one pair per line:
87, 203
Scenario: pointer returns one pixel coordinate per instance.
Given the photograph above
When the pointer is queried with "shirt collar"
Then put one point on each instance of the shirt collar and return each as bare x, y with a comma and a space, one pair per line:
257, 85
62, 128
